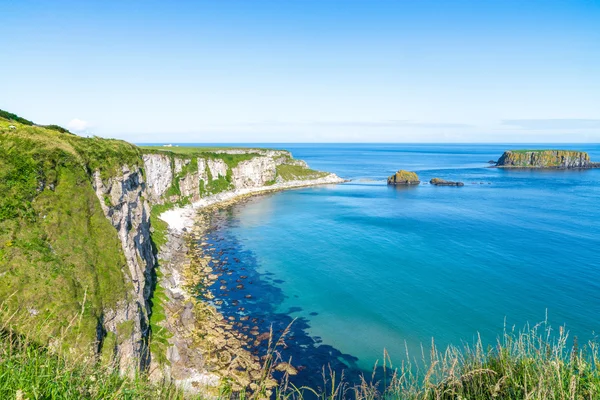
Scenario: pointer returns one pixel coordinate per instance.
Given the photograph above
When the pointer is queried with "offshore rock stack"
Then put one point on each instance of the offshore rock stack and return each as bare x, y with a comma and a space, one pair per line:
559, 159
403, 177
441, 182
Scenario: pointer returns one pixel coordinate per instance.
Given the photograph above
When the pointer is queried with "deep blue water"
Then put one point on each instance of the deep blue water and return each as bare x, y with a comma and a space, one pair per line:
364, 266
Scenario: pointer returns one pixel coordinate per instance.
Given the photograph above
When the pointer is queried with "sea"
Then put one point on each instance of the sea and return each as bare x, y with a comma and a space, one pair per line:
349, 271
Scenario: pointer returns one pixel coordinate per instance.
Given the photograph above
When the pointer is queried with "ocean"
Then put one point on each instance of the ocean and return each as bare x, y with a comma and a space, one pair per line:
361, 267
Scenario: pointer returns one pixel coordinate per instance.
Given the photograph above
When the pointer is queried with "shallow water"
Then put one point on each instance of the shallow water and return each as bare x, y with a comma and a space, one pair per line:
363, 266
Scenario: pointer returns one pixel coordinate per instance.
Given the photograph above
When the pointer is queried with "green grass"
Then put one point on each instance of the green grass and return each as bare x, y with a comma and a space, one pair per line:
193, 150
539, 150
28, 371
58, 252
15, 118
290, 172
535, 363
159, 334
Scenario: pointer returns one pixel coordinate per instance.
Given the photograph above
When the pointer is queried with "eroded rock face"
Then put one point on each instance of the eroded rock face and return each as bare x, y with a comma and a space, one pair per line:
125, 200
159, 173
180, 163
441, 182
545, 159
403, 177
217, 168
123, 203
255, 172
162, 170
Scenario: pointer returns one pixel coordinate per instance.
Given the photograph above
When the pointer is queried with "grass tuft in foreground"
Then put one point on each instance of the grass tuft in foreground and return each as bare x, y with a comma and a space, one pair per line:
28, 371
535, 363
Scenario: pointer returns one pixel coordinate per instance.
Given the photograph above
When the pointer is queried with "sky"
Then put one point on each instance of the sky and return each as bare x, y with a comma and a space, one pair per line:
306, 70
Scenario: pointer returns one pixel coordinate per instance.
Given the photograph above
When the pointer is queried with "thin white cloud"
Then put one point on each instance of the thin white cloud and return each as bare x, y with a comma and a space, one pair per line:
78, 125
557, 123
365, 124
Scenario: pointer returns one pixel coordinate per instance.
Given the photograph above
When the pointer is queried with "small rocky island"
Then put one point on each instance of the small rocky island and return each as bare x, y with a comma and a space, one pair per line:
560, 159
403, 177
441, 182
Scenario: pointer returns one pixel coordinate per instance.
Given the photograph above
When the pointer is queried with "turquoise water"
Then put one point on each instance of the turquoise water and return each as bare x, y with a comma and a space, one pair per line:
363, 266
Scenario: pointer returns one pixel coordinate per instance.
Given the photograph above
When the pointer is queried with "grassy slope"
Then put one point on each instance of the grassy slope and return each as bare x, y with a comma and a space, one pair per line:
28, 371
289, 172
56, 246
194, 150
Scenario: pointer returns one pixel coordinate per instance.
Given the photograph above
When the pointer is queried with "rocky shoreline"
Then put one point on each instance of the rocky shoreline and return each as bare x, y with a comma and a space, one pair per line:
203, 345
180, 218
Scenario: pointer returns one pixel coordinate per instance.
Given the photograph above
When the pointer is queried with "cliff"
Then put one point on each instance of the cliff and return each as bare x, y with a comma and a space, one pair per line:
75, 248
181, 180
186, 175
545, 159
80, 235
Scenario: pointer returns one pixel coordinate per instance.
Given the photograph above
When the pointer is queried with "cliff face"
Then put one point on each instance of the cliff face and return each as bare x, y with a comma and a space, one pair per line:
125, 325
77, 248
175, 178
545, 159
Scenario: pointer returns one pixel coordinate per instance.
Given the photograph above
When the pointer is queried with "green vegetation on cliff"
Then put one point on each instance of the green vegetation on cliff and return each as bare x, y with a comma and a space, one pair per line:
289, 172
544, 159
15, 118
59, 254
286, 168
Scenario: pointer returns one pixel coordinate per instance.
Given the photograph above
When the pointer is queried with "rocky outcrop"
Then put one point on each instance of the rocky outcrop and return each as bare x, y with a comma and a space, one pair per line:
175, 178
255, 172
564, 159
122, 200
441, 182
217, 168
159, 173
403, 177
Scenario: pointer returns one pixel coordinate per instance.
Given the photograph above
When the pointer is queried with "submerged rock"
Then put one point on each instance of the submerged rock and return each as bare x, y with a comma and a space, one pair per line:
403, 177
287, 368
441, 182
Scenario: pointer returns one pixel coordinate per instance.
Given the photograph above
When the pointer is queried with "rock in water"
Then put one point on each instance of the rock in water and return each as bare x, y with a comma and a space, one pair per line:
564, 159
403, 177
441, 182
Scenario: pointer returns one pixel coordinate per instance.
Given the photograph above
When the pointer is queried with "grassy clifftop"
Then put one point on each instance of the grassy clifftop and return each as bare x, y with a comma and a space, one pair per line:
60, 258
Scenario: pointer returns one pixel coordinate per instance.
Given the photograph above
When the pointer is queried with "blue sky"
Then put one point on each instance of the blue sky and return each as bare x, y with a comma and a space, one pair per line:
306, 70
